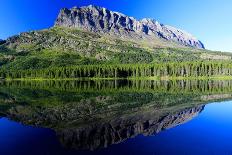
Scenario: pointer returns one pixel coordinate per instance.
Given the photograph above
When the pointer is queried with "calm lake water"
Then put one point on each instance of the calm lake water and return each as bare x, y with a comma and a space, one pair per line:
116, 117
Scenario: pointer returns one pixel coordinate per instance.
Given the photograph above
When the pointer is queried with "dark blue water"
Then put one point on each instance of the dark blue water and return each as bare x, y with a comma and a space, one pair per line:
208, 133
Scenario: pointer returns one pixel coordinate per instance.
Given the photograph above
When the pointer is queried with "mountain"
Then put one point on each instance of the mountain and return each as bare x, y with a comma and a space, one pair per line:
96, 36
89, 114
92, 119
97, 114
121, 129
101, 20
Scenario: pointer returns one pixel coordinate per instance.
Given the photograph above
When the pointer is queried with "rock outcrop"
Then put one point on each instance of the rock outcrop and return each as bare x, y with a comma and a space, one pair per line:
101, 20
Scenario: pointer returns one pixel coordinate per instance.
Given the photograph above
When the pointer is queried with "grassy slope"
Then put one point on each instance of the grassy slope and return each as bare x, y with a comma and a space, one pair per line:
57, 47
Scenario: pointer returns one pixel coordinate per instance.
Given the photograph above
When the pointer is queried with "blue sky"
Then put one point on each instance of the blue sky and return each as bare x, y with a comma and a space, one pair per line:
209, 20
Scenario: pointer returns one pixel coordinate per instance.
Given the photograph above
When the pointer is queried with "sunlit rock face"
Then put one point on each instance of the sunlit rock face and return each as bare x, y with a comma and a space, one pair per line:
101, 20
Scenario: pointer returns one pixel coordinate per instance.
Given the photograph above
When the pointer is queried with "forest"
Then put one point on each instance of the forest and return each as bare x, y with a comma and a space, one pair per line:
170, 69
39, 54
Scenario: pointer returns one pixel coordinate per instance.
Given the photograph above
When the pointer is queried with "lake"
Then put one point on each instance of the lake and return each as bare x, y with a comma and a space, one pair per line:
102, 117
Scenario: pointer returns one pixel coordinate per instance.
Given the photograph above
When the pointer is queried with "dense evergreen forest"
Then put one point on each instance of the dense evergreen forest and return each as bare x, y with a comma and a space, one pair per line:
171, 69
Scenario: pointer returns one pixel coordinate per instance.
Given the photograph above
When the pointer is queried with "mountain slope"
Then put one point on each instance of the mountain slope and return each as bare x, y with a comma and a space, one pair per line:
102, 20
57, 47
62, 45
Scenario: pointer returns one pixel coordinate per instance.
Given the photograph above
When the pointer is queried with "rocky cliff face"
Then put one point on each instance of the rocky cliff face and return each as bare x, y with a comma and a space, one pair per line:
101, 20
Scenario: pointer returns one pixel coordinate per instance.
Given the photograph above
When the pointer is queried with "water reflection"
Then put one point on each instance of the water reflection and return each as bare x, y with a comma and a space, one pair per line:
89, 115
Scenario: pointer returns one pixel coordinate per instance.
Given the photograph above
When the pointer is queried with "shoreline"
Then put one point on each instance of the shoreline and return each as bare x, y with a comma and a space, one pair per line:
166, 78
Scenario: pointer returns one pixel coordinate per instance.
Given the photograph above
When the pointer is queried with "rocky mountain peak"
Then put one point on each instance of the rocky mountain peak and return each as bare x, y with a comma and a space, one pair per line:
101, 20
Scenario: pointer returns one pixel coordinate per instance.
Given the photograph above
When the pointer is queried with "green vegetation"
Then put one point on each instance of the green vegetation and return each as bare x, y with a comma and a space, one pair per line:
184, 69
199, 87
70, 53
83, 105
84, 98
54, 93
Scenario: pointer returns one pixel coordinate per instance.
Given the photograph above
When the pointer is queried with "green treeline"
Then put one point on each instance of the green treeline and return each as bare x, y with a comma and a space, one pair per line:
124, 86
173, 69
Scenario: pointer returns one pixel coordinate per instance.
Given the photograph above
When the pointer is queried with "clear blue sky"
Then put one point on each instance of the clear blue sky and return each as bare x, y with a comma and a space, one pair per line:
209, 20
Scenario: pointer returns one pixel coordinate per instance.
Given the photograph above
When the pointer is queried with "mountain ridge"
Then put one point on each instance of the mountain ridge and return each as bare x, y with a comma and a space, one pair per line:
101, 20
62, 46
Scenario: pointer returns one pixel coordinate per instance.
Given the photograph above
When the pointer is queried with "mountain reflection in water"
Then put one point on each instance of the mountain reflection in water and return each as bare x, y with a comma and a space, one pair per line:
90, 115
